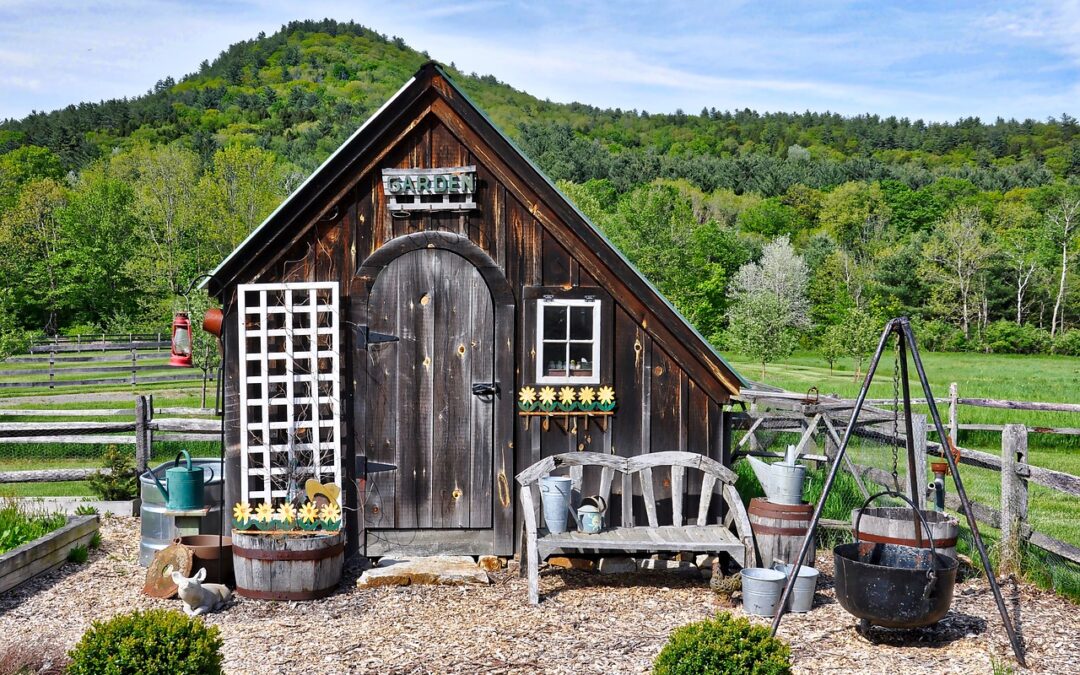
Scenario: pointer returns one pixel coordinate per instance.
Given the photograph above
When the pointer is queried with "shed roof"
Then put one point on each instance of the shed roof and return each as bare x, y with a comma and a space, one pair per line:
276, 228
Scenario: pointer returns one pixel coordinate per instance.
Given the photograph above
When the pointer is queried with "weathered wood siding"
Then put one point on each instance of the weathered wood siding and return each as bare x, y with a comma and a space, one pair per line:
666, 399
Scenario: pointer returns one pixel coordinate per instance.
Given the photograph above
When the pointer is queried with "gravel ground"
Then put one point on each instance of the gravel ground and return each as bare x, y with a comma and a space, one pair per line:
588, 624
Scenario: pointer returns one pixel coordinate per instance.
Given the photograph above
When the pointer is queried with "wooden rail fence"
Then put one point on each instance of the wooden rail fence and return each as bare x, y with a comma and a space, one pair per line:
143, 430
101, 359
1011, 516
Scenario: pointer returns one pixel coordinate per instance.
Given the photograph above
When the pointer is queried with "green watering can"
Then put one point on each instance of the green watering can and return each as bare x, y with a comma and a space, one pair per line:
185, 485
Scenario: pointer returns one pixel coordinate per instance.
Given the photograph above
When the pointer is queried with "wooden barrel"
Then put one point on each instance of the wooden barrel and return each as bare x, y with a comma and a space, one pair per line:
287, 567
896, 525
779, 530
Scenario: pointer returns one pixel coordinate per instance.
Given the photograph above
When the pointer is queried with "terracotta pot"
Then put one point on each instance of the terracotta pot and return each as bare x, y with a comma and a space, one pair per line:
211, 322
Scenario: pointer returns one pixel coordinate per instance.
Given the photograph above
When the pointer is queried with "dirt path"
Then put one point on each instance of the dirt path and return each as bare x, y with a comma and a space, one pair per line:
587, 624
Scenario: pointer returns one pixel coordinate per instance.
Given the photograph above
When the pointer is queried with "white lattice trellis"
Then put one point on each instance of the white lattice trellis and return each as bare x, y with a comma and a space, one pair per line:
290, 393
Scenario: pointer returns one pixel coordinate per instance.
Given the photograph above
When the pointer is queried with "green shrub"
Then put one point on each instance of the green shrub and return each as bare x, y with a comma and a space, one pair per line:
121, 482
78, 554
95, 540
85, 510
1005, 337
153, 642
1067, 342
723, 645
939, 336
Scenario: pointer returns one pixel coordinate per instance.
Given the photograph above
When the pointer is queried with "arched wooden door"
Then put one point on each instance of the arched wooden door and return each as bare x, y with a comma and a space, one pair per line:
429, 422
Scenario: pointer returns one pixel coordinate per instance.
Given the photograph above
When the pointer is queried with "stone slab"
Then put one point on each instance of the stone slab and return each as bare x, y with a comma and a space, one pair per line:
617, 565
443, 570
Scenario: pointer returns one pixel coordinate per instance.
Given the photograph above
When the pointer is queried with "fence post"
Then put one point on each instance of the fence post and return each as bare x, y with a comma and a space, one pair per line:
918, 432
134, 358
954, 423
1014, 495
52, 371
142, 434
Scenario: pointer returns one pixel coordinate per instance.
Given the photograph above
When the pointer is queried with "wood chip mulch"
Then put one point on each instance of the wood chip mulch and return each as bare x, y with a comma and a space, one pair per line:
587, 624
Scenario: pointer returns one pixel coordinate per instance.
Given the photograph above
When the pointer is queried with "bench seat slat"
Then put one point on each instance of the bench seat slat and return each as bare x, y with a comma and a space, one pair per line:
713, 538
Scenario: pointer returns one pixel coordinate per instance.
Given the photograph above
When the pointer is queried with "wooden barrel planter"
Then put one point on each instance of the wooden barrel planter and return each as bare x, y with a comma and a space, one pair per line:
287, 566
779, 530
896, 525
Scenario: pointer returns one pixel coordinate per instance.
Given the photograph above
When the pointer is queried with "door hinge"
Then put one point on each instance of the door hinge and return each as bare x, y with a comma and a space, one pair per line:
365, 336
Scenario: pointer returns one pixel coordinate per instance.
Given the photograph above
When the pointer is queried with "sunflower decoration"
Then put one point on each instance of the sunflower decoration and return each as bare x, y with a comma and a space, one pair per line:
527, 399
264, 515
286, 513
605, 397
309, 514
241, 514
566, 399
330, 515
586, 398
547, 399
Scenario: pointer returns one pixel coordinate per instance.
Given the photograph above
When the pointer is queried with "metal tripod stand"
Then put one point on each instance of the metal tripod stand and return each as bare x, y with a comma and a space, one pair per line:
902, 328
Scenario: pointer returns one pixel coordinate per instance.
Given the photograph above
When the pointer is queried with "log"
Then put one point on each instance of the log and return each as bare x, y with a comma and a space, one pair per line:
287, 566
87, 439
1055, 546
103, 412
195, 425
1020, 405
47, 475
31, 429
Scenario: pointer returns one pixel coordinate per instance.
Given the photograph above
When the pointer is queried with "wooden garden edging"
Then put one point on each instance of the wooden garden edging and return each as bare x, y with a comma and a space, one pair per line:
45, 553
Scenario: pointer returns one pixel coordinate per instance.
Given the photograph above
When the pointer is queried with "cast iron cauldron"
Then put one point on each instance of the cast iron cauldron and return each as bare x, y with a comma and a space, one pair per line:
893, 585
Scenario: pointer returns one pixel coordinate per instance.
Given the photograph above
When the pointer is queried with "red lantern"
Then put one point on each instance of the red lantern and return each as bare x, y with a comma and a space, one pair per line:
181, 341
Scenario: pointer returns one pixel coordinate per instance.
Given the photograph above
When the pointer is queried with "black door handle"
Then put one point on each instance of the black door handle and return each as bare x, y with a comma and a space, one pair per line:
485, 389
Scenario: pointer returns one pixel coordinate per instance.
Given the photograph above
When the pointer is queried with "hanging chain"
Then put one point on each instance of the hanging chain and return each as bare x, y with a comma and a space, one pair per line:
896, 414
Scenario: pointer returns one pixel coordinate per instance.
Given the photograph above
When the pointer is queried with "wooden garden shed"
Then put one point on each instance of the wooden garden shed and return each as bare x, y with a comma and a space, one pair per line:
381, 324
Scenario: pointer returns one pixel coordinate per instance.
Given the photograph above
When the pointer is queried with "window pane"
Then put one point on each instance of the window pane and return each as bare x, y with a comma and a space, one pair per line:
553, 358
581, 323
555, 323
581, 364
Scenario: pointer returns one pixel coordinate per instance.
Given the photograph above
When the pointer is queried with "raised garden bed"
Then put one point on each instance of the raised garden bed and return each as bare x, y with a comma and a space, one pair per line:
45, 553
69, 505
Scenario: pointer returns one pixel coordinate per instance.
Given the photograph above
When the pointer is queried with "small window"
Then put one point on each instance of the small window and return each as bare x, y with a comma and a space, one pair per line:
568, 341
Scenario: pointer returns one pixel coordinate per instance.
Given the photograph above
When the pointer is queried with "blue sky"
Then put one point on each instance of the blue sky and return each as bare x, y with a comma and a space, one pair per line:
930, 60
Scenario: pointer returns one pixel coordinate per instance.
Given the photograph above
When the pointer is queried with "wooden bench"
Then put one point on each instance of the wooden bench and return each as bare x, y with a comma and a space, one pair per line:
699, 536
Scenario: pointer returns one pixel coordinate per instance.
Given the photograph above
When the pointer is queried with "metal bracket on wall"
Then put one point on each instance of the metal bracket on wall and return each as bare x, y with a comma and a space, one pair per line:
365, 336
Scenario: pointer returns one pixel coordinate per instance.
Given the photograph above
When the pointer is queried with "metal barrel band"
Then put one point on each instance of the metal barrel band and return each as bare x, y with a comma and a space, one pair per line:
769, 529
762, 506
315, 554
882, 539
287, 595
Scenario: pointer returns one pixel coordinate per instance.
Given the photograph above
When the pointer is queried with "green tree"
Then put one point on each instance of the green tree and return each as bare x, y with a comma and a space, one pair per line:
831, 346
32, 251
956, 255
855, 214
241, 188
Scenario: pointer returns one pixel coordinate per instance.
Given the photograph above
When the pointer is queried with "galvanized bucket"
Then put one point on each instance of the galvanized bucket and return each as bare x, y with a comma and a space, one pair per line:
802, 595
761, 590
555, 494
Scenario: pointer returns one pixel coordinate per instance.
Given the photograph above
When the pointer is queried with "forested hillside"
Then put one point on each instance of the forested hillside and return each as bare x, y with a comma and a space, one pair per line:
106, 209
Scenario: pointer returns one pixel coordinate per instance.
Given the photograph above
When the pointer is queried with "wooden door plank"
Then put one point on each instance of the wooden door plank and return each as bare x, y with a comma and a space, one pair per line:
480, 349
381, 392
452, 441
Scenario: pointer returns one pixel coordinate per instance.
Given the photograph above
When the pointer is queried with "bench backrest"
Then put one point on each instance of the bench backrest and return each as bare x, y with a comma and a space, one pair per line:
643, 466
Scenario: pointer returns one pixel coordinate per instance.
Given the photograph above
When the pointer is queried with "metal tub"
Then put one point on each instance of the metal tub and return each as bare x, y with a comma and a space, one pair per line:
158, 527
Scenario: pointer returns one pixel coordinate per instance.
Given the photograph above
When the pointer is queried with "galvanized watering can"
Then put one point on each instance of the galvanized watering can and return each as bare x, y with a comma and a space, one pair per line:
590, 515
185, 485
783, 480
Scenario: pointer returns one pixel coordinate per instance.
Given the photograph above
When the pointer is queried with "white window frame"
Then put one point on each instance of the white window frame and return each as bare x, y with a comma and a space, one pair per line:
594, 304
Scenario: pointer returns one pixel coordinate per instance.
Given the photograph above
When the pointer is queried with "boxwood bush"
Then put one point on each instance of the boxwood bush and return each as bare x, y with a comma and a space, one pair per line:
723, 645
154, 642
1005, 337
